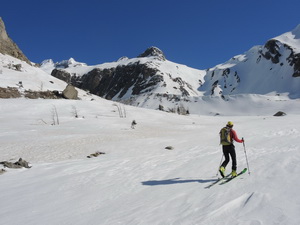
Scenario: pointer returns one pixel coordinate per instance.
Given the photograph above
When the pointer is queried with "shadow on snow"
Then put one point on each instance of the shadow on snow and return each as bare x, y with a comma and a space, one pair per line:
175, 181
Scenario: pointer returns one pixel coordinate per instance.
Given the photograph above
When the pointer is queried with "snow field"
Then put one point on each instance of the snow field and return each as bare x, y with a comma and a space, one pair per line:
138, 181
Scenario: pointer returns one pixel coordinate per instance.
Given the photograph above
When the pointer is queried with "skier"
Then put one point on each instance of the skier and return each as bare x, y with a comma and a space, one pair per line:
227, 136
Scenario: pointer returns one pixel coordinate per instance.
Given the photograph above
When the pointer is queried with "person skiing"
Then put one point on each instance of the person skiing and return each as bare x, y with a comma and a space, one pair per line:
227, 136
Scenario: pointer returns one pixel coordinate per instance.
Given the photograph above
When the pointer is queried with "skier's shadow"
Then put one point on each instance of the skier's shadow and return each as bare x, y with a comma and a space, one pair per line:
177, 180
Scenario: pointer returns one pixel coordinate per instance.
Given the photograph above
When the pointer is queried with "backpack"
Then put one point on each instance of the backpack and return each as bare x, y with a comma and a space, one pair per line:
225, 138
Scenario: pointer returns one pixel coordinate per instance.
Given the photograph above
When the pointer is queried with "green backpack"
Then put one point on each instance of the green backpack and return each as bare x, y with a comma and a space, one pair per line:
225, 138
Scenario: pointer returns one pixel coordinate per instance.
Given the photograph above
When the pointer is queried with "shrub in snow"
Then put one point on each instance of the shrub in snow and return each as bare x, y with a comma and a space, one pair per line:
96, 154
19, 164
9, 92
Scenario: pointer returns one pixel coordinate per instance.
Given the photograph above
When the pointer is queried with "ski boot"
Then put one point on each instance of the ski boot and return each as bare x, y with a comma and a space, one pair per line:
233, 173
222, 171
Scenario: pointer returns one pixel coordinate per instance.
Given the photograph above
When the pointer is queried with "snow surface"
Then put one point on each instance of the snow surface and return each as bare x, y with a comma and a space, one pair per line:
138, 181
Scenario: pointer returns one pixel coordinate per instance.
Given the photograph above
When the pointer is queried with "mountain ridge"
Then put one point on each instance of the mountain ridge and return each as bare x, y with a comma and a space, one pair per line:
150, 80
269, 69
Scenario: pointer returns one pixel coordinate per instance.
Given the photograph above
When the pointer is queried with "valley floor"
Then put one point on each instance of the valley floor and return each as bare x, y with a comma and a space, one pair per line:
137, 180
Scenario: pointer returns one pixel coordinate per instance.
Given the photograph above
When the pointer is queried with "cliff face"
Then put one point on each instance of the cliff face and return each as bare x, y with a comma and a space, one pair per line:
116, 82
8, 47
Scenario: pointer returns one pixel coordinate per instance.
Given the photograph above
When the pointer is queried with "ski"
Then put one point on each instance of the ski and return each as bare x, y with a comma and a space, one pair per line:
217, 181
231, 178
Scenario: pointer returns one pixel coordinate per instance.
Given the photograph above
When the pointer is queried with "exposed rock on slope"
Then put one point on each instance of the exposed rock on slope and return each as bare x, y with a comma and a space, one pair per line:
153, 51
8, 47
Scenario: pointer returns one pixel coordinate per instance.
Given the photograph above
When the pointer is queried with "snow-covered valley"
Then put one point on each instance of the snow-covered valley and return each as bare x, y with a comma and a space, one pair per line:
137, 180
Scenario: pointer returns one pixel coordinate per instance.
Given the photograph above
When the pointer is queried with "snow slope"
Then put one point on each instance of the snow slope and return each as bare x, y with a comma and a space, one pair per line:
32, 77
138, 181
250, 73
264, 70
291, 38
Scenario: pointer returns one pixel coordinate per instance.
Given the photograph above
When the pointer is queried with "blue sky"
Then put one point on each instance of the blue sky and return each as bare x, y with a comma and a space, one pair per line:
199, 34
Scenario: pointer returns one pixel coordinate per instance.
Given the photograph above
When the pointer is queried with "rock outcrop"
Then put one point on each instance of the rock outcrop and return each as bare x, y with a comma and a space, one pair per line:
115, 82
67, 77
153, 51
8, 47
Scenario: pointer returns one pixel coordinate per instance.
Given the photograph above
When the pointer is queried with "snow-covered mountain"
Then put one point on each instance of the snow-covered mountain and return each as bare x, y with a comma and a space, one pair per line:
151, 81
48, 65
129, 79
273, 68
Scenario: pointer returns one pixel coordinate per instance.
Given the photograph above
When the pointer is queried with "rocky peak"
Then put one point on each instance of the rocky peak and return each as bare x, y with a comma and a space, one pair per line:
8, 47
153, 51
3, 34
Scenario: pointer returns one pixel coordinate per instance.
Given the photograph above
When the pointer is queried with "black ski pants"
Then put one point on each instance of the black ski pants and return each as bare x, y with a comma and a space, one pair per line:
229, 151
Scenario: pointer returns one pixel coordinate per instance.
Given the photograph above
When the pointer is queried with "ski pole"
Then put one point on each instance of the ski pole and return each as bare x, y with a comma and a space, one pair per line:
220, 164
246, 156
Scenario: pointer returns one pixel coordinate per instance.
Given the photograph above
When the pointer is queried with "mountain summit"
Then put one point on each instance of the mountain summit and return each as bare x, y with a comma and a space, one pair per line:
153, 51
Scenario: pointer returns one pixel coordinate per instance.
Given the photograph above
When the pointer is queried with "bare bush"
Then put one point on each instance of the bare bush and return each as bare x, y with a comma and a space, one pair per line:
54, 116
74, 111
